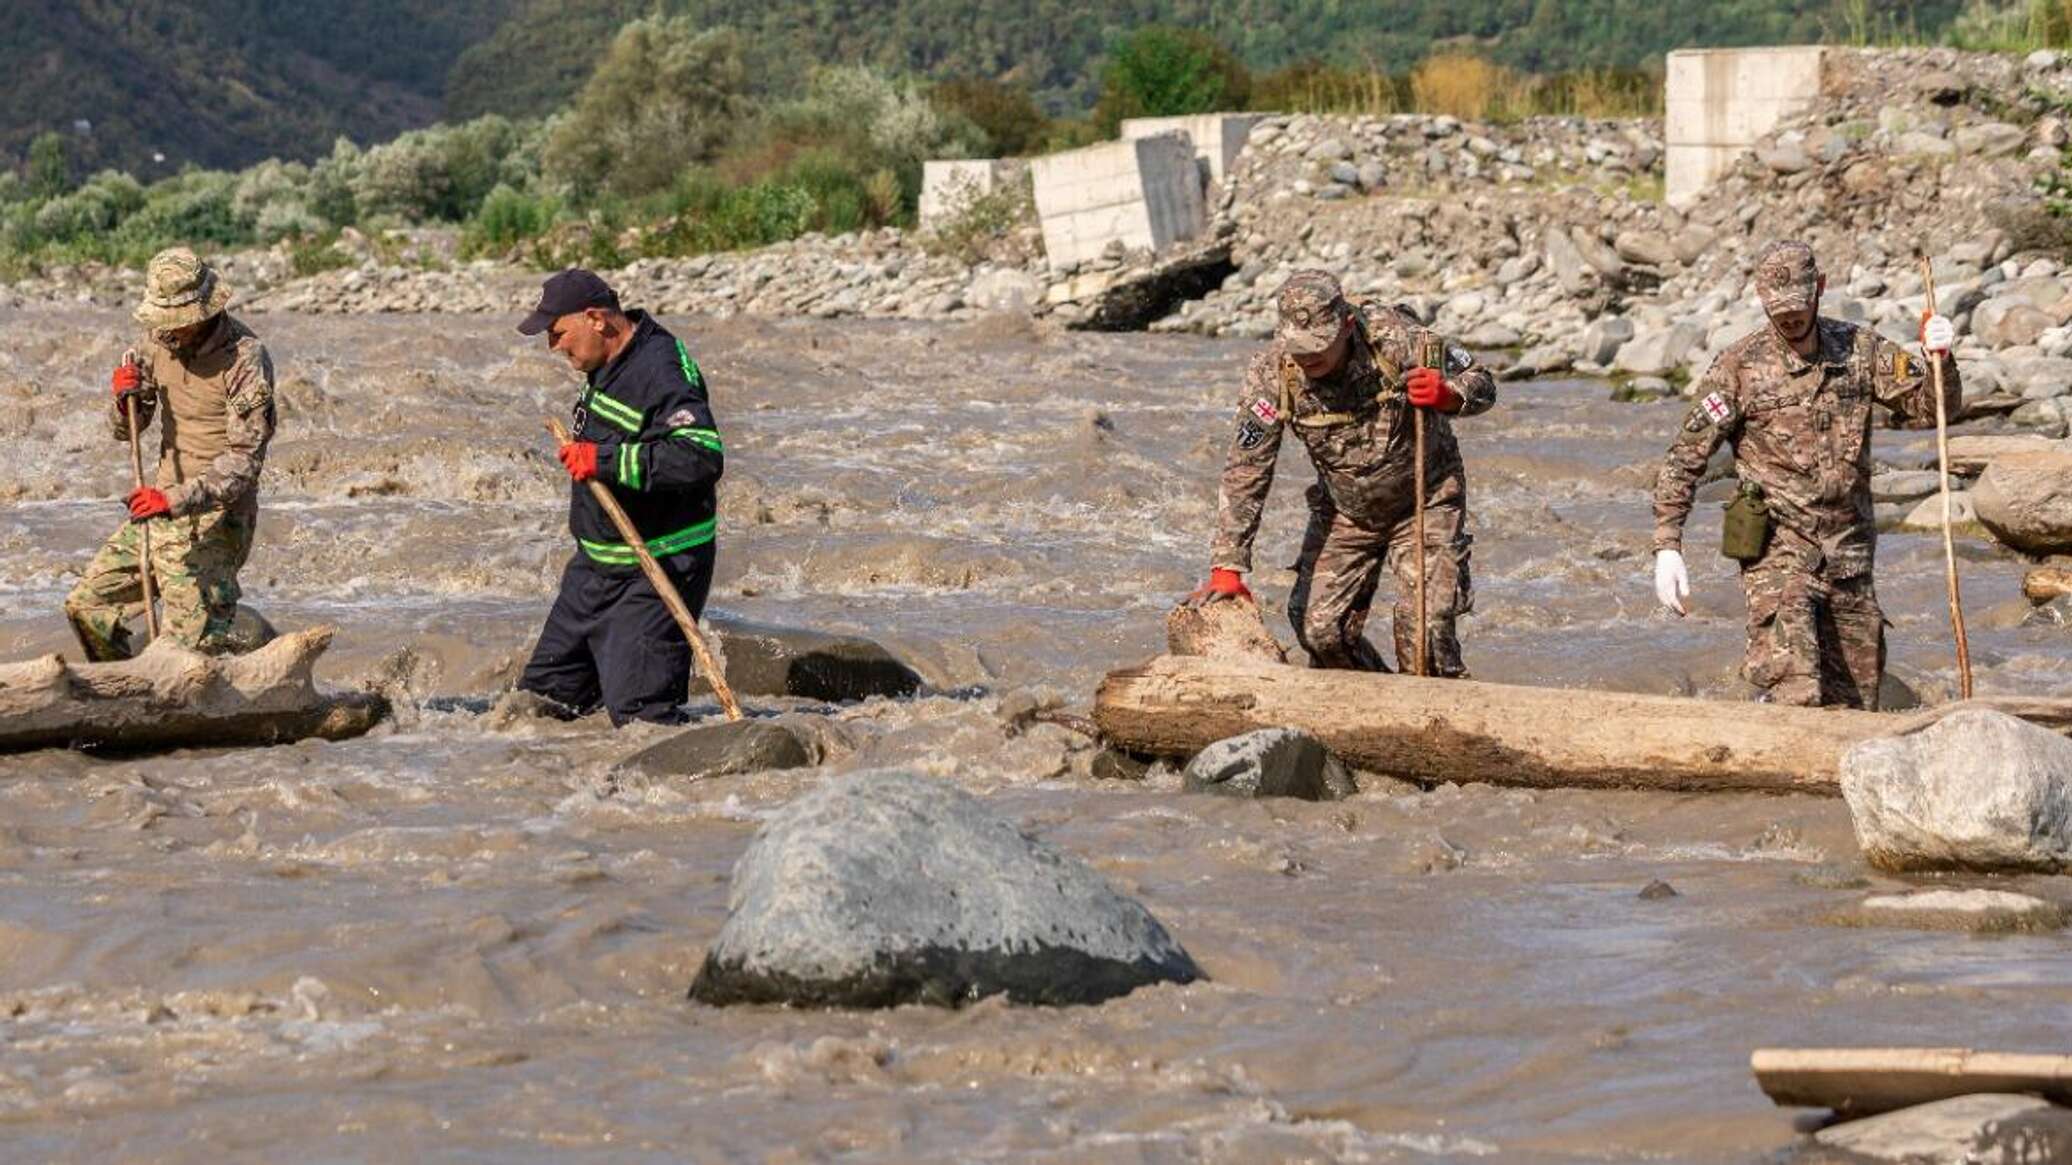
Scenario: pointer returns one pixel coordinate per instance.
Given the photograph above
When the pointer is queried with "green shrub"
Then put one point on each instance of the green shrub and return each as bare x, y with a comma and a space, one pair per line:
1005, 114
1162, 72
666, 96
50, 166
506, 219
195, 209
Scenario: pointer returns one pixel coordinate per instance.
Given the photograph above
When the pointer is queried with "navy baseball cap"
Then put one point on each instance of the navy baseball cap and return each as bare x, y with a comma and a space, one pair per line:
565, 292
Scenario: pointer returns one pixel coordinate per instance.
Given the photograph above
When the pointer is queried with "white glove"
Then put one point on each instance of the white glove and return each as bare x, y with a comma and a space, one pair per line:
1938, 334
1672, 581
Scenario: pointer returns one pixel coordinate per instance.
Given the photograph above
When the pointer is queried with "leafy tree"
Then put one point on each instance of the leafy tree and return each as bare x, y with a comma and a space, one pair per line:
1006, 114
50, 166
1162, 72
665, 97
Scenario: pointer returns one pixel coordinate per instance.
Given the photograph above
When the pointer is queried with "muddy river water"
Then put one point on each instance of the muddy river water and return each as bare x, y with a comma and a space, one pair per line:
459, 939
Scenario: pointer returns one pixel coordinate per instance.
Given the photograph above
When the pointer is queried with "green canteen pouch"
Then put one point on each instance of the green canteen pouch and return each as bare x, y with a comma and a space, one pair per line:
1747, 531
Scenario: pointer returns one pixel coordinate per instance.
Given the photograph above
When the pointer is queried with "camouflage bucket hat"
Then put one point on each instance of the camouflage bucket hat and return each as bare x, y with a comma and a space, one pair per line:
1313, 313
180, 290
1787, 278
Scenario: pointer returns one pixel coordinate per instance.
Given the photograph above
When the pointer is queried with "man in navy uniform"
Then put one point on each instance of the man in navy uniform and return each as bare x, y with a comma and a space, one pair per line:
644, 428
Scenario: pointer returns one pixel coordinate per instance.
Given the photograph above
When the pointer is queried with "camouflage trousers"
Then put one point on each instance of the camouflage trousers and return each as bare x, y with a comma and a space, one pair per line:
1340, 568
1812, 640
194, 565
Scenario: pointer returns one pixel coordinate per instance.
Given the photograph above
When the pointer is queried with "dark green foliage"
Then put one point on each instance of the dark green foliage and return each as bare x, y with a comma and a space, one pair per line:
50, 166
1162, 72
1005, 113
666, 96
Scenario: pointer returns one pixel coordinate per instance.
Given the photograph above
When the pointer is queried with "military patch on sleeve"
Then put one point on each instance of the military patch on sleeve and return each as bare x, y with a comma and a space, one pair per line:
1902, 365
1249, 435
1264, 410
1717, 408
682, 419
1457, 358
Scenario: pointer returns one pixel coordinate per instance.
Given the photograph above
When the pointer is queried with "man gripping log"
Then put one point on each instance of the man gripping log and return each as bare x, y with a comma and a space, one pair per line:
643, 427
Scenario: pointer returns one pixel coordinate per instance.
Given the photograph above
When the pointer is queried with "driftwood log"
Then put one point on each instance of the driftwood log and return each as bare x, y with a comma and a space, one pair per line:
1860, 1082
169, 697
1433, 730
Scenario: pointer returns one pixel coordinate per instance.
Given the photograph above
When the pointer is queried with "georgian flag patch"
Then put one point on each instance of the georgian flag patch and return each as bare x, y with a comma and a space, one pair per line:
1717, 408
1264, 410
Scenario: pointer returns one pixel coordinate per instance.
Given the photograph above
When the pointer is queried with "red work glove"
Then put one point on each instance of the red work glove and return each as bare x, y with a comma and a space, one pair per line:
580, 459
147, 502
1222, 584
127, 379
1429, 390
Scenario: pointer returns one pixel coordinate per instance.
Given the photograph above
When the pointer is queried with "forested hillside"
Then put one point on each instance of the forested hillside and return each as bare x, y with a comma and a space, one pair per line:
229, 82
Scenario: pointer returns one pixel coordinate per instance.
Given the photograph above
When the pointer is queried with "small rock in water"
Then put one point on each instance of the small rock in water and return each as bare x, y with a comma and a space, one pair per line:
1977, 790
1113, 764
1981, 1127
1974, 910
887, 888
766, 660
717, 750
1657, 890
1272, 762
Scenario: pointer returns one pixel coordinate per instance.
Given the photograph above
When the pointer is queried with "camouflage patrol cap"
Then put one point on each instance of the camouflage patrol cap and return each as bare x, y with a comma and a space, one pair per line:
180, 290
1787, 278
1313, 312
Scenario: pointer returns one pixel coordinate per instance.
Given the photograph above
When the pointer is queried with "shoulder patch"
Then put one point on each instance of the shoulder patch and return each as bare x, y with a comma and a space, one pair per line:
1716, 407
682, 419
1249, 435
1902, 364
1264, 410
1457, 358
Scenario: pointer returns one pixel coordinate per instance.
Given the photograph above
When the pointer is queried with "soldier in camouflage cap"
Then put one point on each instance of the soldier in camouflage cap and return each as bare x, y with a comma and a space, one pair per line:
214, 382
1795, 401
1345, 378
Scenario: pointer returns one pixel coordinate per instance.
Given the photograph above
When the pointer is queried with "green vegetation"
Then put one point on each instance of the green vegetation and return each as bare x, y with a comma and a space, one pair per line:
605, 130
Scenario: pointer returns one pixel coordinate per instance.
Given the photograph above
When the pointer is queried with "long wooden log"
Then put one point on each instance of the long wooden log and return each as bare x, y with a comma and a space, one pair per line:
1435, 730
1864, 1081
170, 697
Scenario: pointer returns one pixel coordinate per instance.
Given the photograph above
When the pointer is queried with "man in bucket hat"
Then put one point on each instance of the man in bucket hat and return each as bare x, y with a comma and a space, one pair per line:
210, 381
1794, 399
1345, 379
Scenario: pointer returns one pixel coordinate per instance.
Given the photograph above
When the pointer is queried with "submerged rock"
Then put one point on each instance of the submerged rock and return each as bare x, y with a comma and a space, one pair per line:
1974, 910
1981, 1127
1272, 762
767, 660
887, 888
739, 746
1977, 790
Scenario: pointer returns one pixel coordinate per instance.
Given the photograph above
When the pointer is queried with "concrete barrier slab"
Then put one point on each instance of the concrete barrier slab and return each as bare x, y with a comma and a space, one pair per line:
1718, 102
1144, 193
1218, 137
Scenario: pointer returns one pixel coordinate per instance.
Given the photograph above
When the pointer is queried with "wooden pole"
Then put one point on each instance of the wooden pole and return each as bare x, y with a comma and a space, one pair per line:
136, 444
1417, 427
662, 584
1942, 456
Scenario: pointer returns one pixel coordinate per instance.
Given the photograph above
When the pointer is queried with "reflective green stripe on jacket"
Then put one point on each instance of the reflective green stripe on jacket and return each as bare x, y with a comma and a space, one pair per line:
620, 554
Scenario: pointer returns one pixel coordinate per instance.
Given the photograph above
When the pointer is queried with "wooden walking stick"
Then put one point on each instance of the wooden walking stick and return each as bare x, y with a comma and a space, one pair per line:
1942, 456
661, 583
1431, 354
129, 405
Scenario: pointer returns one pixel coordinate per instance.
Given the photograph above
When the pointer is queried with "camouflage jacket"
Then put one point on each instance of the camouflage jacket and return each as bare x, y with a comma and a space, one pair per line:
1355, 424
1801, 429
219, 416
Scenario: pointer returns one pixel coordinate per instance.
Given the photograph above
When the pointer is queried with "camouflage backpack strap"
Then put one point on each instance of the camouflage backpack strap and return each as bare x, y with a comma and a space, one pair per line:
1291, 383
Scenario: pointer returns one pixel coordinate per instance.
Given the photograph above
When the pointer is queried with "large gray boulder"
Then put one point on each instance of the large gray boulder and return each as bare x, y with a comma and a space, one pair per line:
1660, 353
1978, 790
1603, 338
1271, 762
2025, 499
887, 888
738, 747
1981, 1127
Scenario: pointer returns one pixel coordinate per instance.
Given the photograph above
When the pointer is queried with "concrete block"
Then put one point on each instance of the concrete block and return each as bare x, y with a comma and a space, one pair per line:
1218, 137
1144, 193
948, 187
1720, 101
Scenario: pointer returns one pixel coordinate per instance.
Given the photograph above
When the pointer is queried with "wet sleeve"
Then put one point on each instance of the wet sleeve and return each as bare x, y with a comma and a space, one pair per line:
247, 427
1714, 419
1255, 442
1904, 381
680, 449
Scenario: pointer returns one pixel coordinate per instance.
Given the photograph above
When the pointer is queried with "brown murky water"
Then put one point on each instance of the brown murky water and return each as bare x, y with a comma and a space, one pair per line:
460, 940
